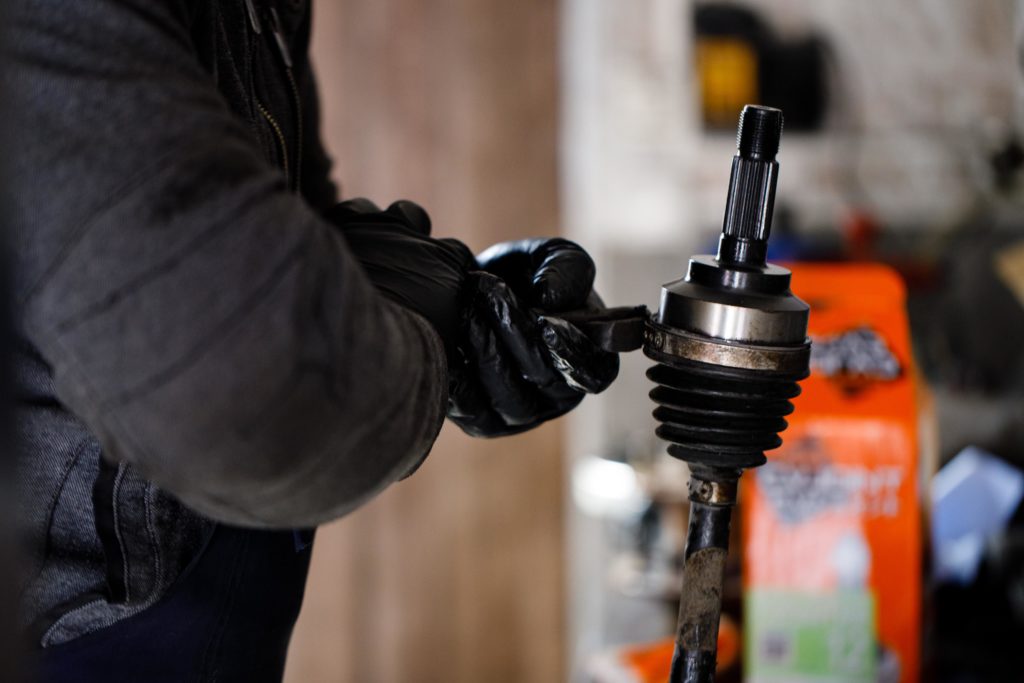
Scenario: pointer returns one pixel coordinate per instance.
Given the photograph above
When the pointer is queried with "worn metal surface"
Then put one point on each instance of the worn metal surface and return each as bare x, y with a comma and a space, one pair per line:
712, 497
675, 343
712, 492
701, 603
735, 314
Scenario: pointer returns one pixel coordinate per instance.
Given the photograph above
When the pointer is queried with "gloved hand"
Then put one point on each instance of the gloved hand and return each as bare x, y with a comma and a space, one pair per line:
521, 365
511, 365
423, 274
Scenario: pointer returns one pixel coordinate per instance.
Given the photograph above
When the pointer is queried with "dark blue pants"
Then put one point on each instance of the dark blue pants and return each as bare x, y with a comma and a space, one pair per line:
228, 618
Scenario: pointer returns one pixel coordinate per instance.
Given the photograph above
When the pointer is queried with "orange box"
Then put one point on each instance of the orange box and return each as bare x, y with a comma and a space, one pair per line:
832, 524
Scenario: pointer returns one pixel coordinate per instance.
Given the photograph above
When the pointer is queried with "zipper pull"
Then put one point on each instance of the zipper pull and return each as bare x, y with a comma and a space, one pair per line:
282, 44
254, 18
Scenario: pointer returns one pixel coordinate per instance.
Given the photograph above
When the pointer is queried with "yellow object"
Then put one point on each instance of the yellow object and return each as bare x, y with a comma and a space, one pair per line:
1009, 264
727, 72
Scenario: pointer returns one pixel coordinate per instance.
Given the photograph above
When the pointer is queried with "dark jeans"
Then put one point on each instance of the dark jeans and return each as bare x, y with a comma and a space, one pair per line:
228, 618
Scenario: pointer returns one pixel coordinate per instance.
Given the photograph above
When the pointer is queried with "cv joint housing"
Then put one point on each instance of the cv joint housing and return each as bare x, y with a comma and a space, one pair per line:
730, 338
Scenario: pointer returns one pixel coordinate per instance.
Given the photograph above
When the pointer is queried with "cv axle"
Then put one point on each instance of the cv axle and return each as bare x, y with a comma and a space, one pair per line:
730, 343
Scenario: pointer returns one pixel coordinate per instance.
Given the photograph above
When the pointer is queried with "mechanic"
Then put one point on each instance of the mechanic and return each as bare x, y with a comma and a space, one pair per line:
214, 355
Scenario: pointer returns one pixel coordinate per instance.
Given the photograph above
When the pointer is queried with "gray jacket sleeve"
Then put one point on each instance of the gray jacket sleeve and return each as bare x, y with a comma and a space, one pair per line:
204, 322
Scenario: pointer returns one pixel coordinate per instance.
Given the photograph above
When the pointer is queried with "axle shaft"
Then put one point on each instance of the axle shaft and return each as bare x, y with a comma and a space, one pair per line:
730, 343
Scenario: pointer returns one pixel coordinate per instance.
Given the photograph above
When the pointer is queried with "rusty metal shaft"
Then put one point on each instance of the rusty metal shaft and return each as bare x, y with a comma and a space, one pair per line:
730, 344
712, 497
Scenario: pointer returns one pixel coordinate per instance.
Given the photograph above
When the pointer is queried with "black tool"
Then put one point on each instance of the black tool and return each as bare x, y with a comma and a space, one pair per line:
616, 329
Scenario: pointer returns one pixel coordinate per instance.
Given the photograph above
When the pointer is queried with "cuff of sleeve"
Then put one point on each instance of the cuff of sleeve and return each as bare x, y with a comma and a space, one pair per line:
435, 381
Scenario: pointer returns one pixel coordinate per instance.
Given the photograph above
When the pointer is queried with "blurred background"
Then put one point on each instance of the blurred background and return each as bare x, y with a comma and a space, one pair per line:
553, 556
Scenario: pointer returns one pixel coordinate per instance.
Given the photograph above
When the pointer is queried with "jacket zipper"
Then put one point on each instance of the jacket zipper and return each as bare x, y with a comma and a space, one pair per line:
286, 59
279, 134
298, 128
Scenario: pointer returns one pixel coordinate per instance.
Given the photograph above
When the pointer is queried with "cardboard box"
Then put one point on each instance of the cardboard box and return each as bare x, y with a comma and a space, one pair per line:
832, 524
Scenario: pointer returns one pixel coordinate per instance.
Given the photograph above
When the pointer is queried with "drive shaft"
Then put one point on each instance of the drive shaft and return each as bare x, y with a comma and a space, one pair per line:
730, 343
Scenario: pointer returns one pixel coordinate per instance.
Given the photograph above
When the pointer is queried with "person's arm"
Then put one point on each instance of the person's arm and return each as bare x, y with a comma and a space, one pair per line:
207, 325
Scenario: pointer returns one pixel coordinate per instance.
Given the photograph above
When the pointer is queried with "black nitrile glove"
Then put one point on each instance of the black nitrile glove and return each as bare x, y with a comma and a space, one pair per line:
521, 364
512, 363
423, 274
